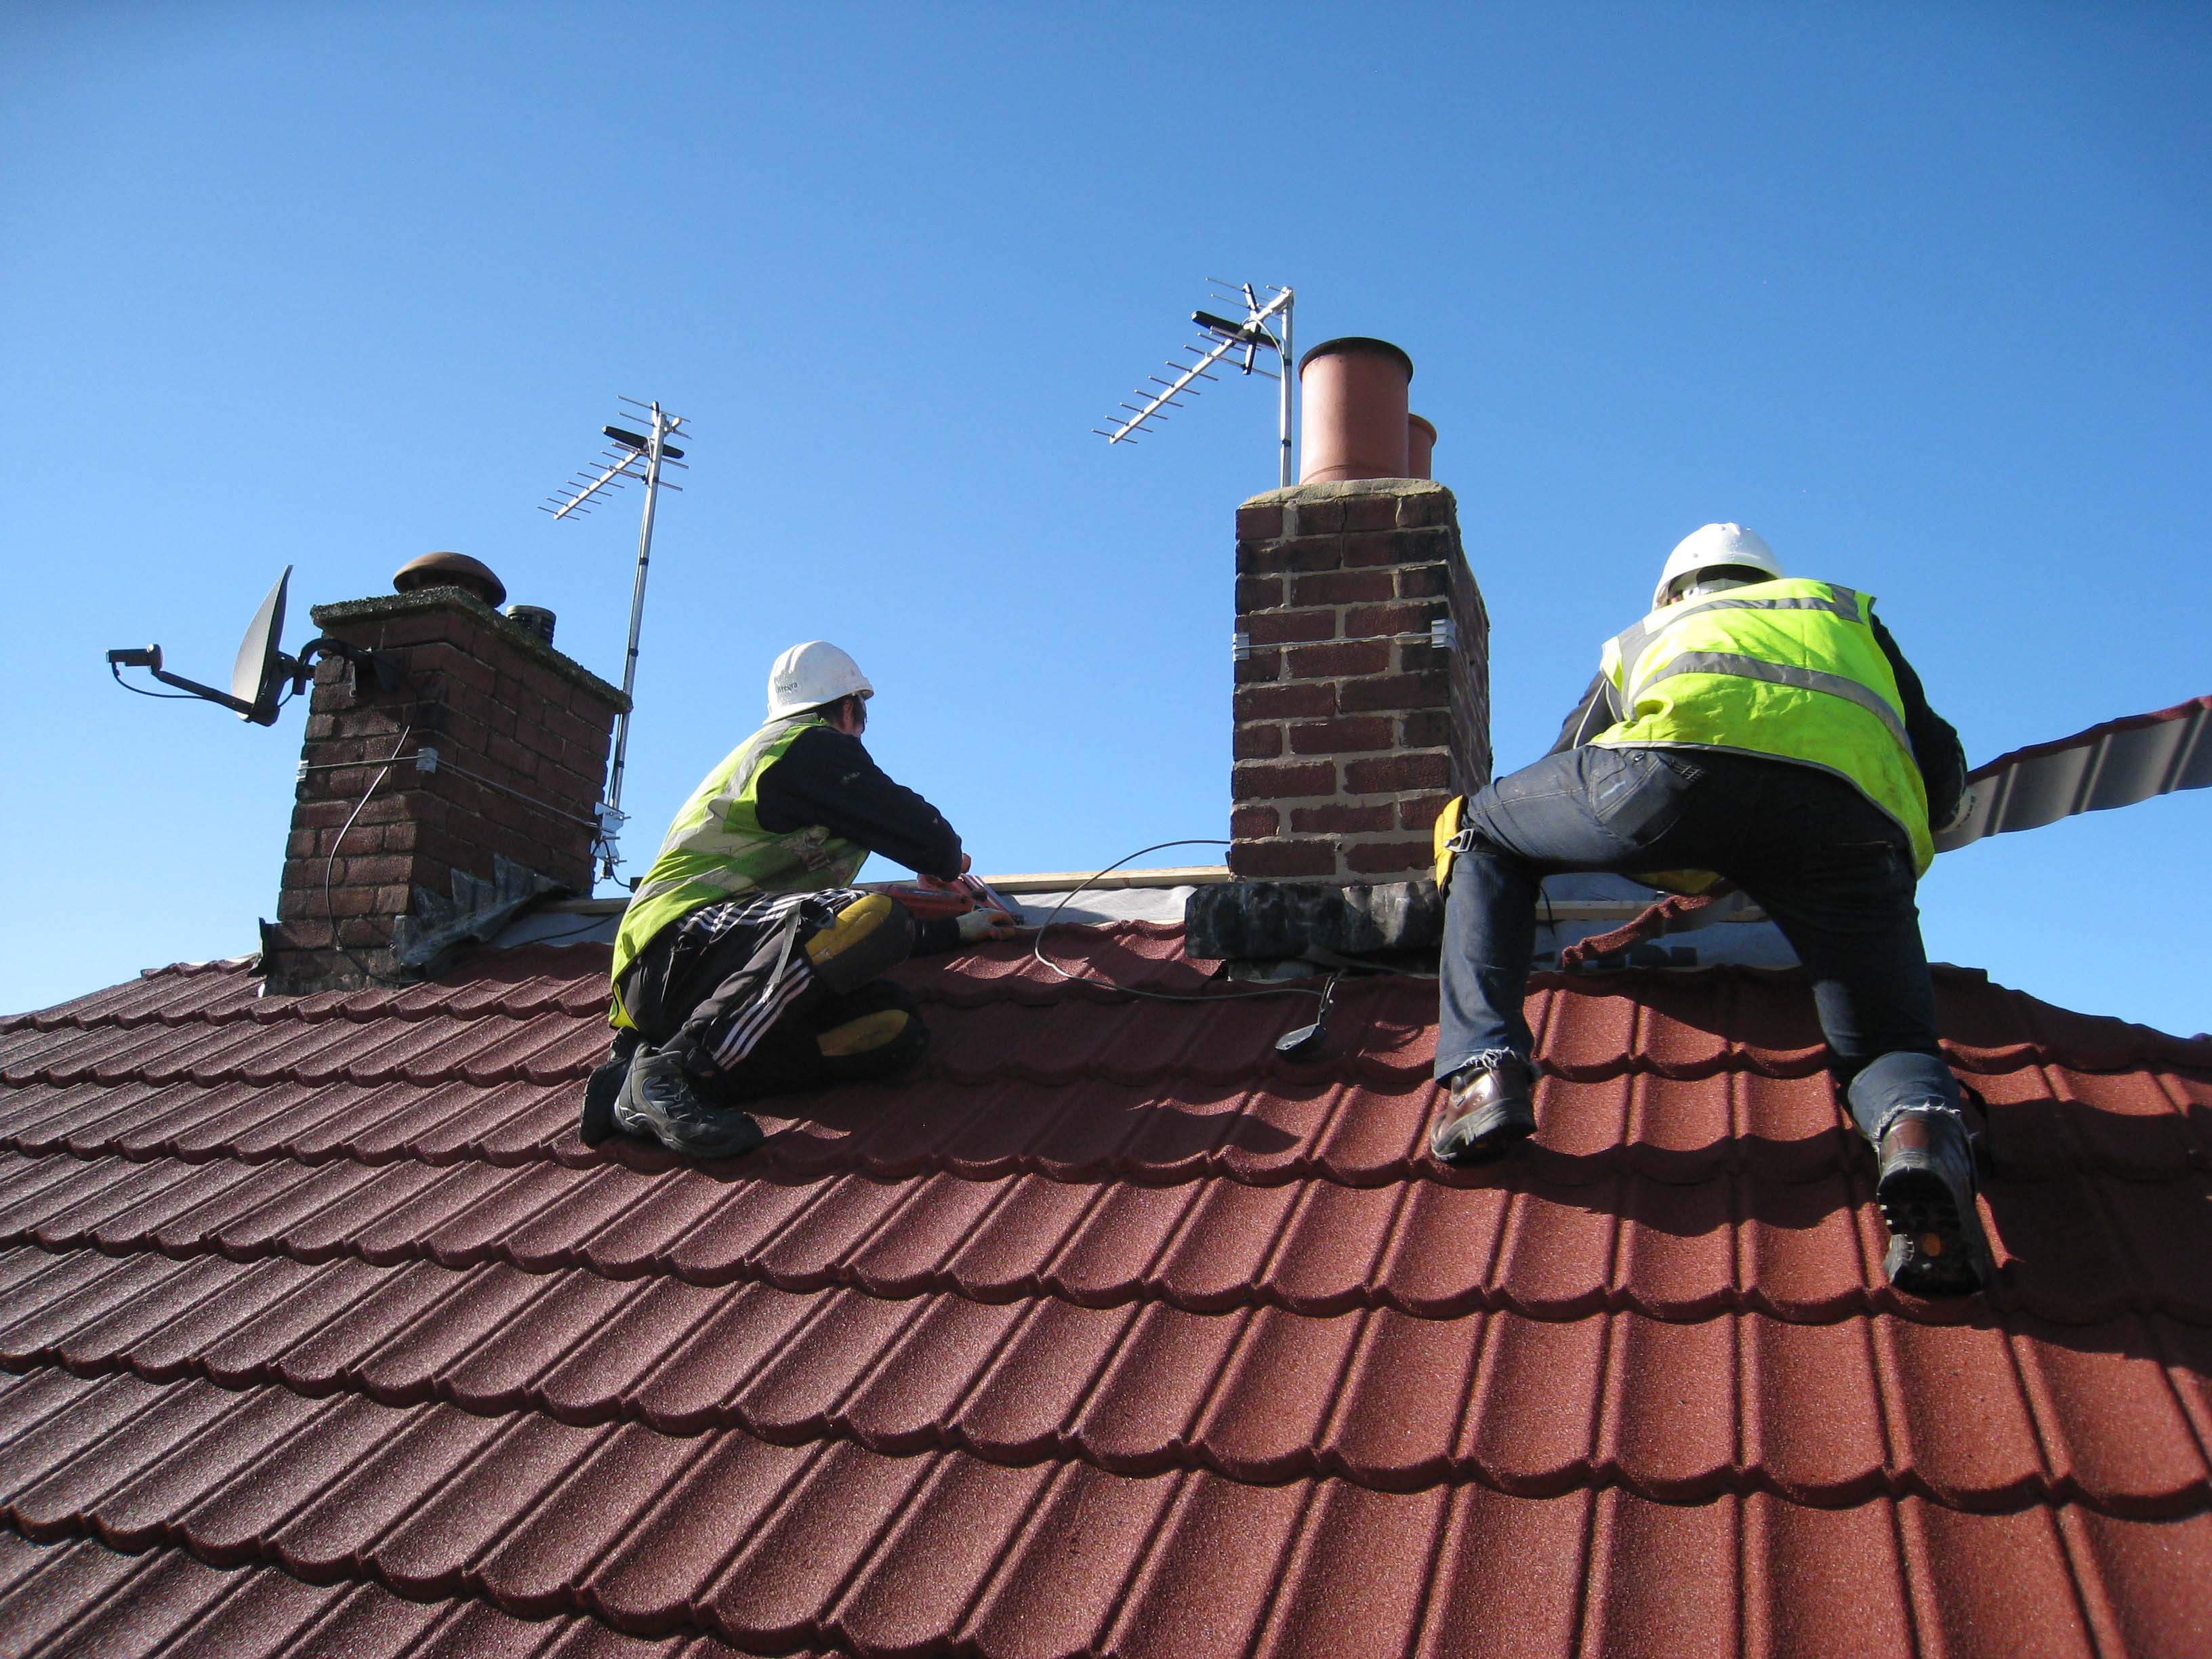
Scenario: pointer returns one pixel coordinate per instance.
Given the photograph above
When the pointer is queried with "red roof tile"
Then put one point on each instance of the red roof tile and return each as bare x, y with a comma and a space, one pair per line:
320, 1332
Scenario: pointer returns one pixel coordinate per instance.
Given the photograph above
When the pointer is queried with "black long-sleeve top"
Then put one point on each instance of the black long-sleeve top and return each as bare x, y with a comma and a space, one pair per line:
1936, 747
827, 777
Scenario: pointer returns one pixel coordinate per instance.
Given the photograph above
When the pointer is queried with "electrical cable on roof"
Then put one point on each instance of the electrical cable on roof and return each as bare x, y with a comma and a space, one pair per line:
1044, 961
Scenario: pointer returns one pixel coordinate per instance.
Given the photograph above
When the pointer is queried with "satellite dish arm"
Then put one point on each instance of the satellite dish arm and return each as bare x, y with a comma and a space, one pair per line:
236, 705
382, 670
377, 669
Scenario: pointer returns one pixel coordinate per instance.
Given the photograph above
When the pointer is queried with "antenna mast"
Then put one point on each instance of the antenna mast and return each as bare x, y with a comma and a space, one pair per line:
1266, 326
627, 455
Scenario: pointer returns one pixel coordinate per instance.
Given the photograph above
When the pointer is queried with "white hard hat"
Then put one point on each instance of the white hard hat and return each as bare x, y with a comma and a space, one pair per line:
1712, 545
807, 675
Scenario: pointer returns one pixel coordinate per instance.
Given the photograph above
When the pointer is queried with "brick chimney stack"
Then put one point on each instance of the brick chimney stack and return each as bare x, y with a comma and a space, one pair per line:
500, 745
1349, 734
1363, 671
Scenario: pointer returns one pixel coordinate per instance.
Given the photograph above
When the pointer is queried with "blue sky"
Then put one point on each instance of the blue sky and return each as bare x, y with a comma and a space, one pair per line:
1917, 291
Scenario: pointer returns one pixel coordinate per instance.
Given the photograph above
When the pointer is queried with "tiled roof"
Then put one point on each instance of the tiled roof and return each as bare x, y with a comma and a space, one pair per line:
321, 1332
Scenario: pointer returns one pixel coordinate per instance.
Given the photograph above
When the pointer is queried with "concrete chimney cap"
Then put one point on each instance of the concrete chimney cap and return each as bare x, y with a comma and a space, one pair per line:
1357, 342
451, 570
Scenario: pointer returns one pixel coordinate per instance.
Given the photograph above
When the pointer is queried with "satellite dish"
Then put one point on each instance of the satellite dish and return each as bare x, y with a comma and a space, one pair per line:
261, 665
258, 676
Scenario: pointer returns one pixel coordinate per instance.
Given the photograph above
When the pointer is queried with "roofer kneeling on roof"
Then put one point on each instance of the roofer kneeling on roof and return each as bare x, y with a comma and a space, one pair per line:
746, 963
1768, 730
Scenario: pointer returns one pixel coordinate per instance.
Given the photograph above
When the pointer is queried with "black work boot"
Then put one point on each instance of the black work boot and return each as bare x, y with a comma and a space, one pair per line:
661, 1101
596, 1123
1491, 1107
1926, 1190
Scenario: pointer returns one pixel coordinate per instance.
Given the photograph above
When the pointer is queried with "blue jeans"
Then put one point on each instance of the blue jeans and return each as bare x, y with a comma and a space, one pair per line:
1833, 871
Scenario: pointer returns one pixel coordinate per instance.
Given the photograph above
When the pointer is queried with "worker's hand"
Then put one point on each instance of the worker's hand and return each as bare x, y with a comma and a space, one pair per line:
977, 925
1960, 814
966, 864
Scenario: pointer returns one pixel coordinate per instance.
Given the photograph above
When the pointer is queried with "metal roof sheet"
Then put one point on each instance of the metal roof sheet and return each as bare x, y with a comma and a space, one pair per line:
1111, 1331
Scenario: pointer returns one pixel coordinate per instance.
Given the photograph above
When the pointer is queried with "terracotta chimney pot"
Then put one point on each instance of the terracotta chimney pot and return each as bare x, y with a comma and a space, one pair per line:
1420, 443
1353, 406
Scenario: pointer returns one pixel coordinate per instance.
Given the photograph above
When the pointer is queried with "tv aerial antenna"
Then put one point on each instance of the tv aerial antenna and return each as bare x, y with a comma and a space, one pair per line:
258, 677
629, 454
1266, 326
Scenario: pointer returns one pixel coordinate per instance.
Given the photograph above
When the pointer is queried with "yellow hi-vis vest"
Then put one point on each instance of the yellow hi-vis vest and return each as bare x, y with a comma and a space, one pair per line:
716, 849
1789, 669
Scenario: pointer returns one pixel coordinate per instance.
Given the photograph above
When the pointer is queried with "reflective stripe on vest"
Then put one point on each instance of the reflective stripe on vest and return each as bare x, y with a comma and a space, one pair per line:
1787, 669
716, 849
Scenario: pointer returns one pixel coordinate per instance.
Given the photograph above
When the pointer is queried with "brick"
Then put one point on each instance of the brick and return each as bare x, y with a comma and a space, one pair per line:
345, 901
1260, 593
1396, 773
1365, 733
464, 673
1259, 524
398, 633
1425, 506
597, 708
1281, 858
1338, 818
1382, 857
1251, 823
1371, 512
1410, 618
1374, 547
1286, 626
1394, 691
1258, 668
1425, 728
510, 762
1422, 581
1264, 702
1257, 742
379, 869
1309, 553
1281, 780
1340, 658
1420, 812
1342, 587
1321, 515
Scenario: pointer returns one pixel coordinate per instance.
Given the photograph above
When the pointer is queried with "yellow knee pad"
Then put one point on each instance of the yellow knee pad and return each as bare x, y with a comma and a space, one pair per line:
869, 937
854, 927
865, 1035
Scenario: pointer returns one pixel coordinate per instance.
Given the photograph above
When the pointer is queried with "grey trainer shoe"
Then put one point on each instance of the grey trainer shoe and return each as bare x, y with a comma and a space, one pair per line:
1490, 1108
1925, 1191
661, 1102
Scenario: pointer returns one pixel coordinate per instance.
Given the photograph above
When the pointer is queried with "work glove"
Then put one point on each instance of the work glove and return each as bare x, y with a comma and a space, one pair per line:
1959, 814
981, 924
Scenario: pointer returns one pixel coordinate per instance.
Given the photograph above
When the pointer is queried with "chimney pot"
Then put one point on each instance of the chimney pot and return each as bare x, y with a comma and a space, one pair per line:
1351, 403
1421, 444
534, 618
447, 570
